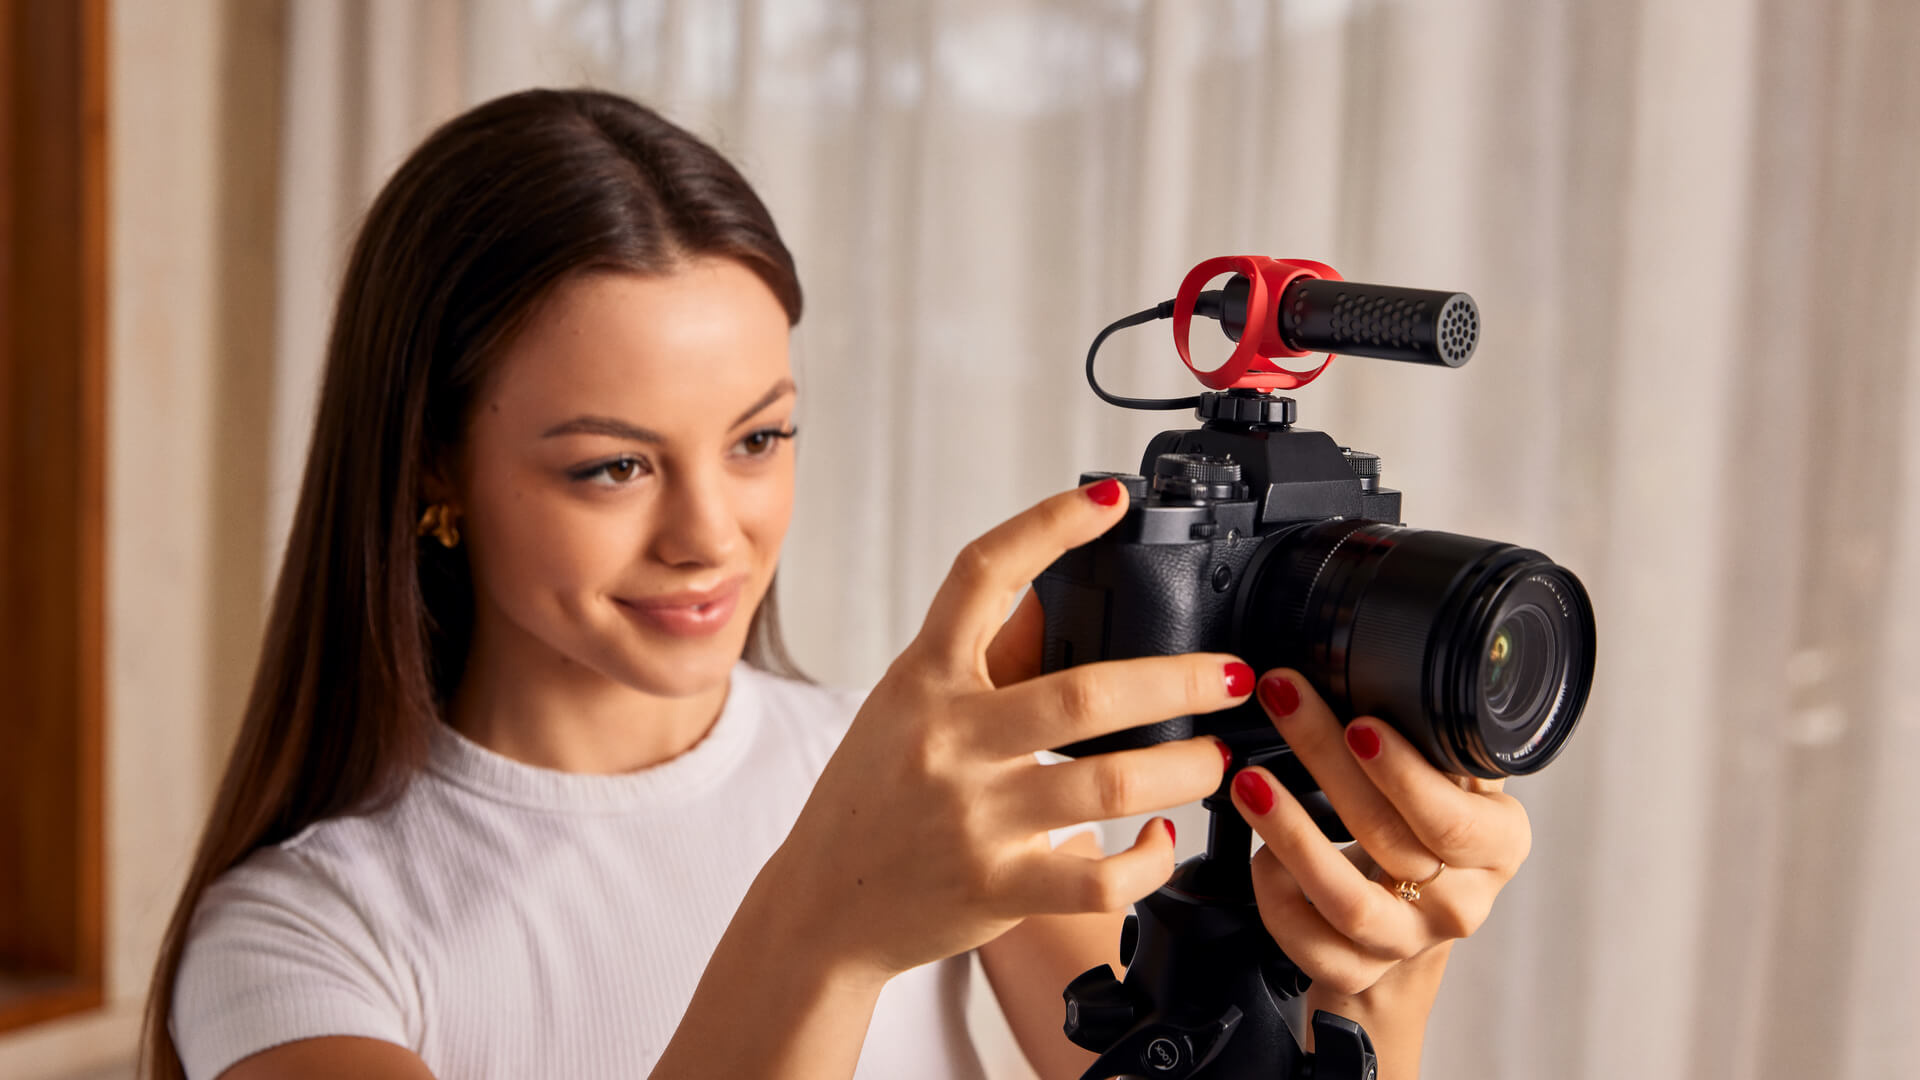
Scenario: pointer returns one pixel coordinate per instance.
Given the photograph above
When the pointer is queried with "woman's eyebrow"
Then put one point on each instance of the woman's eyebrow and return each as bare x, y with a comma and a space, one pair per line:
603, 425
620, 429
780, 390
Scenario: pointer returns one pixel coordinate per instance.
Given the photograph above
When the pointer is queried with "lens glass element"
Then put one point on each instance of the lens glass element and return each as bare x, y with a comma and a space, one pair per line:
1523, 662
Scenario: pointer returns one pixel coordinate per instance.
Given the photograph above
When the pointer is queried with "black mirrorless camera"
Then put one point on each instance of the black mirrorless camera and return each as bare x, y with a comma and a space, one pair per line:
1255, 537
1252, 536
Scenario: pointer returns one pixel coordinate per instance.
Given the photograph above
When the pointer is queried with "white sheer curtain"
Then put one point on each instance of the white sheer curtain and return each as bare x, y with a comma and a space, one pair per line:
1691, 229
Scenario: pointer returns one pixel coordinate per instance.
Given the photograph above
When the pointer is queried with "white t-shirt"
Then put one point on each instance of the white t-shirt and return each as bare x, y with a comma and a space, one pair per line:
502, 920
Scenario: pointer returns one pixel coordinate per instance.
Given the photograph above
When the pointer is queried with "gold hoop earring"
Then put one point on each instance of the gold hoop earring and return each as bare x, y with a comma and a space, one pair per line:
438, 523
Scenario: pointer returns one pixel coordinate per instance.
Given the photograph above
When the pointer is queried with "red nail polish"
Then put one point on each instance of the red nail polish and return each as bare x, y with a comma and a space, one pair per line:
1254, 792
1239, 679
1279, 696
1171, 838
1226, 753
1106, 492
1364, 740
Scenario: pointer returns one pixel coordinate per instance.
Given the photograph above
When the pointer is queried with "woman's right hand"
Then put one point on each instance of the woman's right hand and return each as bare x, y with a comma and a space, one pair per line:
926, 834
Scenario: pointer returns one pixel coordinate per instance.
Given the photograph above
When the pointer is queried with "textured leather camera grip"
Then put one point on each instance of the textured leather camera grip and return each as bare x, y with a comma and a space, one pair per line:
1111, 600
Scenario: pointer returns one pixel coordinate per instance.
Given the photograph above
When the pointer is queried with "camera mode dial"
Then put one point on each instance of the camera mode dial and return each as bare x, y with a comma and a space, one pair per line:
1197, 478
1365, 466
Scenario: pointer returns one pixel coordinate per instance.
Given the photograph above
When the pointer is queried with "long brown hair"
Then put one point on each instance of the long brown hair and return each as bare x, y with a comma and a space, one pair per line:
369, 626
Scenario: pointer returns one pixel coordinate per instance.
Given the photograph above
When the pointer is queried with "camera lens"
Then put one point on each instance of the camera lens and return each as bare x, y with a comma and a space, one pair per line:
1480, 652
1520, 659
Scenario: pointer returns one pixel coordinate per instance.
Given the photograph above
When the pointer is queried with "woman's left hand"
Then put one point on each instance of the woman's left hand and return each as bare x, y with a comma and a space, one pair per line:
1337, 914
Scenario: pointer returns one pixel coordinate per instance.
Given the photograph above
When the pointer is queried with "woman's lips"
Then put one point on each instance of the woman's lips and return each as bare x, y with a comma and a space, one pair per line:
689, 614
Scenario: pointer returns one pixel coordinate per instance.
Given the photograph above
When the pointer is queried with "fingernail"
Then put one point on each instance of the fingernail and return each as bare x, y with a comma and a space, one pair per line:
1171, 838
1106, 492
1226, 753
1364, 740
1253, 791
1279, 696
1239, 679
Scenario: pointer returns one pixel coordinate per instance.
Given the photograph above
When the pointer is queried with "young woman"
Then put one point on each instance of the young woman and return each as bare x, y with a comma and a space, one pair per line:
525, 786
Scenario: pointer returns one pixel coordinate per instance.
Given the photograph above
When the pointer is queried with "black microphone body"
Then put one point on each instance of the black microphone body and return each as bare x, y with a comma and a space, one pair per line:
1354, 318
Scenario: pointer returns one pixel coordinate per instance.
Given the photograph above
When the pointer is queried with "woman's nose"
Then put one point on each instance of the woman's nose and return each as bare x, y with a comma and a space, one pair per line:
698, 526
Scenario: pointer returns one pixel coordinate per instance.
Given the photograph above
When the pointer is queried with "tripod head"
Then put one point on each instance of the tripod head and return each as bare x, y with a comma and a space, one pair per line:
1207, 992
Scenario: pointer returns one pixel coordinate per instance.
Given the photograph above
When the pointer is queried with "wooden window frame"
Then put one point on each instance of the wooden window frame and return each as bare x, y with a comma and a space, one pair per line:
53, 330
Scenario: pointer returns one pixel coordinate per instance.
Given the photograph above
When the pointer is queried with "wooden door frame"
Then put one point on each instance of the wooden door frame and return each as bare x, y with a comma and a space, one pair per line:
53, 330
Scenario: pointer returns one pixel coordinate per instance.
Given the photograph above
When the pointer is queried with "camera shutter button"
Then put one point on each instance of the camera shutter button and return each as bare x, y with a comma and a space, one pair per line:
1136, 485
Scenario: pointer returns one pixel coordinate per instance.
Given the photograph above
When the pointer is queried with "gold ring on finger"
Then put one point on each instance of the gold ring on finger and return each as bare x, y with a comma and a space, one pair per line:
1410, 890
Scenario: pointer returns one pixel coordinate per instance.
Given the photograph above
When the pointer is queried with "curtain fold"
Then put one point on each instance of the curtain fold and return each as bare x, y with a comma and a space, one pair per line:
1691, 230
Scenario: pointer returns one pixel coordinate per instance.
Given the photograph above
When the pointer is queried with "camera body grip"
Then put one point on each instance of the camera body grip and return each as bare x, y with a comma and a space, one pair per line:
1148, 587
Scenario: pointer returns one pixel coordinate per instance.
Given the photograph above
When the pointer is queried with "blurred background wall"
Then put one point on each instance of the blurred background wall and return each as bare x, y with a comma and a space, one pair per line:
1691, 229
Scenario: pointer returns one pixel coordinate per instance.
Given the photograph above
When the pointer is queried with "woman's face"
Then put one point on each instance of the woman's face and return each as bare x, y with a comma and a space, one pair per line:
626, 480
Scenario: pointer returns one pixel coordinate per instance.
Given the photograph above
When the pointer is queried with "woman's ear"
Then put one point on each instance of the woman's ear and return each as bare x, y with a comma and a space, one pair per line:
438, 478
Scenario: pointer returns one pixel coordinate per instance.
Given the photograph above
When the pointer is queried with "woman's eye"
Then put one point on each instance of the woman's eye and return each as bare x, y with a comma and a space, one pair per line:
621, 470
763, 442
